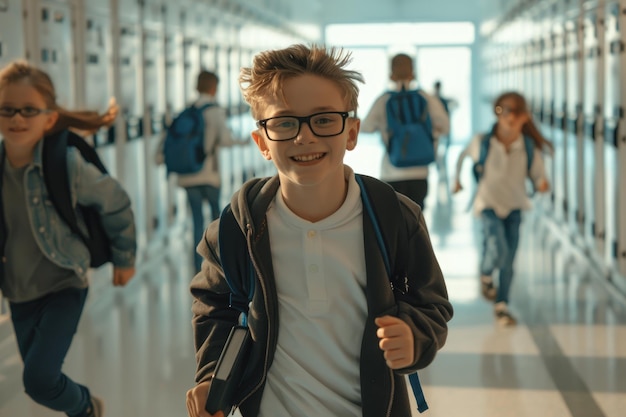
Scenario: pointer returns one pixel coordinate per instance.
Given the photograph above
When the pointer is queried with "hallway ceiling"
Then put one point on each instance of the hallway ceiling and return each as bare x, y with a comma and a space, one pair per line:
367, 11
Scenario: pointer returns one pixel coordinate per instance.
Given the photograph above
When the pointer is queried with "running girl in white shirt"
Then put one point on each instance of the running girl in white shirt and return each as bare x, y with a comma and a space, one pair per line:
513, 153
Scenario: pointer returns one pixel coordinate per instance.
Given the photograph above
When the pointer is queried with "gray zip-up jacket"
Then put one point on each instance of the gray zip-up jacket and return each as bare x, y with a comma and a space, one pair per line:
426, 310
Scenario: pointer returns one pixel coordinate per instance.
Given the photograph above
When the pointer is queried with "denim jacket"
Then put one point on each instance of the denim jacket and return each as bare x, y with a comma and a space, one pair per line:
89, 187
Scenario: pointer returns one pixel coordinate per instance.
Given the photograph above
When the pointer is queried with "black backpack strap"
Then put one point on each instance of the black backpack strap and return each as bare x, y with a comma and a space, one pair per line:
87, 151
235, 260
386, 227
3, 225
56, 177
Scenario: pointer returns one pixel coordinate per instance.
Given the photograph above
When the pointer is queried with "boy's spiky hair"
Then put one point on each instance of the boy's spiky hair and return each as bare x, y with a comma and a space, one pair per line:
271, 68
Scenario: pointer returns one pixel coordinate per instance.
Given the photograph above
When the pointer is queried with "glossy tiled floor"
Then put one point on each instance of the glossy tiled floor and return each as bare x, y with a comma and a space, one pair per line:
567, 357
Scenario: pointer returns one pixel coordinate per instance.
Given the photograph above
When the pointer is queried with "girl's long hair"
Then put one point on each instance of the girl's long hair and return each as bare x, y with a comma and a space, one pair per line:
21, 71
529, 128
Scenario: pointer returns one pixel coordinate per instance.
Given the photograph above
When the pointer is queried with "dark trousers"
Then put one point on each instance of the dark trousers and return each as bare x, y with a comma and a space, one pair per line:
44, 329
416, 190
500, 242
196, 195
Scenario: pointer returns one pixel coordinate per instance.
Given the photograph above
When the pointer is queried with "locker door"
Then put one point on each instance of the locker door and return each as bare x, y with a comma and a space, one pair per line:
573, 114
52, 50
599, 189
559, 178
621, 150
591, 106
612, 118
12, 45
98, 89
192, 67
153, 113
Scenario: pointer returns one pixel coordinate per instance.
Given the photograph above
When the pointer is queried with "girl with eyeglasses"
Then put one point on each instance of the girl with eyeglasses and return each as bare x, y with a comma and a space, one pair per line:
503, 159
44, 266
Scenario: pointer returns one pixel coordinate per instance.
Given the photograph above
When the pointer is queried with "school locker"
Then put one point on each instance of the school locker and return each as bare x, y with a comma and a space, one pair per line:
153, 111
575, 97
127, 41
591, 106
620, 248
12, 45
49, 45
97, 88
174, 103
559, 177
613, 110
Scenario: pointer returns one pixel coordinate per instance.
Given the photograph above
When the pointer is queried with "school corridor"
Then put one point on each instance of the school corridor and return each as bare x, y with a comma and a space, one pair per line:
565, 358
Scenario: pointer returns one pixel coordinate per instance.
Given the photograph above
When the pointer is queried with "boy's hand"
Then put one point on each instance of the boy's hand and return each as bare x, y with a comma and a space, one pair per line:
456, 187
121, 276
196, 400
396, 340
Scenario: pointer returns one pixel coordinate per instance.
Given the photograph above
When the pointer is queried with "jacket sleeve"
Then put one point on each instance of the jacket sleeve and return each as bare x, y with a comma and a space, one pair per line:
427, 308
104, 193
212, 316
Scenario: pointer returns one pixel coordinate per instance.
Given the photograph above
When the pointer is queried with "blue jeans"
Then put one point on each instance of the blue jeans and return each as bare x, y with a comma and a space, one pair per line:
44, 329
196, 195
500, 241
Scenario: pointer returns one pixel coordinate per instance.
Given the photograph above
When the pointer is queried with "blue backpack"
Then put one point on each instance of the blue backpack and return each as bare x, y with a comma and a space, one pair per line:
410, 129
240, 273
183, 150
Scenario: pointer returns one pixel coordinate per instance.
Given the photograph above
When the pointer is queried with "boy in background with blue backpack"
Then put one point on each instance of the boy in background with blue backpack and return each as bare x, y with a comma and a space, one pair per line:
190, 150
333, 333
410, 122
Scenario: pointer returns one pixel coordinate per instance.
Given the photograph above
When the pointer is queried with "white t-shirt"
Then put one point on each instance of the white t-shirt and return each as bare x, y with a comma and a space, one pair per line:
320, 279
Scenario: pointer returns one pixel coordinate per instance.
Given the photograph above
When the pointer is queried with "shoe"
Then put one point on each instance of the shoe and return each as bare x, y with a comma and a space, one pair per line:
96, 409
505, 318
487, 288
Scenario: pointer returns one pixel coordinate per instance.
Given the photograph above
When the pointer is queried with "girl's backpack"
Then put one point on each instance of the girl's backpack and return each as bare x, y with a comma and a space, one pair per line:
54, 159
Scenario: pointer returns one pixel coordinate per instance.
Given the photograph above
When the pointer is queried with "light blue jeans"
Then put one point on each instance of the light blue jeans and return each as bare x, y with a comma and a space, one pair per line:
500, 242
196, 195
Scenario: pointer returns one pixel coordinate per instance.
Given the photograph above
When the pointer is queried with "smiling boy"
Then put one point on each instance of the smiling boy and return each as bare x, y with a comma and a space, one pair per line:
329, 337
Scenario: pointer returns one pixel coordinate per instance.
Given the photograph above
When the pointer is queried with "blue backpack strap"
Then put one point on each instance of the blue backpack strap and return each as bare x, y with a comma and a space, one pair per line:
529, 144
397, 273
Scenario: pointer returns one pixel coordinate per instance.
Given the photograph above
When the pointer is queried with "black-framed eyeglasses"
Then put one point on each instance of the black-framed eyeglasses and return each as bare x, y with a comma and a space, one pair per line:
323, 124
26, 112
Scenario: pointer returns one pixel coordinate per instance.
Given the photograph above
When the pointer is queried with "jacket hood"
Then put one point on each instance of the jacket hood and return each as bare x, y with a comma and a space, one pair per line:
249, 204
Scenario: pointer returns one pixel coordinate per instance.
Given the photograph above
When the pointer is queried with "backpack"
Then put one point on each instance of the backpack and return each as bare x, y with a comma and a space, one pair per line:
183, 149
410, 129
240, 273
54, 159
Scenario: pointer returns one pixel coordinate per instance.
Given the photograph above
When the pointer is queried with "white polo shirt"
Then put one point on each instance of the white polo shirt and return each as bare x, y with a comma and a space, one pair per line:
320, 278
